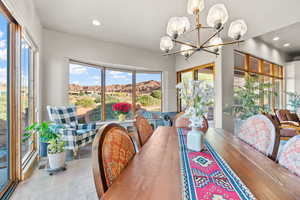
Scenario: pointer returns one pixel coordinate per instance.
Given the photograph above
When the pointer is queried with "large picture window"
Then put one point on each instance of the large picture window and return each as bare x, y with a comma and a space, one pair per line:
95, 89
265, 71
148, 90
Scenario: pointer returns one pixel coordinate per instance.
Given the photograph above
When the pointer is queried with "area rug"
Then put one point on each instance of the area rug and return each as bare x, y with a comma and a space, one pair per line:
206, 176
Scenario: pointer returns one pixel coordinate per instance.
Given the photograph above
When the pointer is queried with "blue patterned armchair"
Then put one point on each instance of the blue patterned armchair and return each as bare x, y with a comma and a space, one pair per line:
157, 119
74, 135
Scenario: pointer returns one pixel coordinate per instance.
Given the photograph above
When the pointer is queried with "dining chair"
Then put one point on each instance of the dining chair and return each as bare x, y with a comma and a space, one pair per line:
111, 152
183, 122
144, 129
260, 132
290, 154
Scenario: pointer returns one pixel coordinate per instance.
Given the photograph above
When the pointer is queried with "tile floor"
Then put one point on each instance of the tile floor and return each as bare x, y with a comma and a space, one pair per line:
74, 183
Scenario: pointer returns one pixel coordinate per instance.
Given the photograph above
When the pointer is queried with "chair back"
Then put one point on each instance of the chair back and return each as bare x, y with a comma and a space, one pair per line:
144, 129
282, 115
290, 154
184, 122
261, 132
63, 114
112, 151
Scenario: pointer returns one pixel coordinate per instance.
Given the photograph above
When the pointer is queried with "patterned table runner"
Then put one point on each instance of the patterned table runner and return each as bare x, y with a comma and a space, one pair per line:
206, 176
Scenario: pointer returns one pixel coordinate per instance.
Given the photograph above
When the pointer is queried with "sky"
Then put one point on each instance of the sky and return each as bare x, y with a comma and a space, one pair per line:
3, 49
91, 76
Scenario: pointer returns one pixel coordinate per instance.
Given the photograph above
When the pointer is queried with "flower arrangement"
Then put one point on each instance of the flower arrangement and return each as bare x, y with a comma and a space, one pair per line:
121, 109
198, 96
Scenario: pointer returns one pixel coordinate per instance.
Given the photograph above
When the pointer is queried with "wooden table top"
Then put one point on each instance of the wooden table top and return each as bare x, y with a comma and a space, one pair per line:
154, 173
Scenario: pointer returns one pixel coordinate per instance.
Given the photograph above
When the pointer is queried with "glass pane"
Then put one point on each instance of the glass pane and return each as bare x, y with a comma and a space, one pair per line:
267, 68
278, 90
85, 92
239, 81
207, 75
278, 71
239, 60
254, 64
118, 90
4, 103
25, 98
268, 97
185, 76
148, 91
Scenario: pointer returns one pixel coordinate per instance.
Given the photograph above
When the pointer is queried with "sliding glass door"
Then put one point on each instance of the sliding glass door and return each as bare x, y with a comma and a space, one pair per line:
4, 103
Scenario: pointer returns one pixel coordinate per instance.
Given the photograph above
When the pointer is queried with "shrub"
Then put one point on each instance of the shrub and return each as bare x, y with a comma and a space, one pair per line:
85, 102
156, 94
147, 100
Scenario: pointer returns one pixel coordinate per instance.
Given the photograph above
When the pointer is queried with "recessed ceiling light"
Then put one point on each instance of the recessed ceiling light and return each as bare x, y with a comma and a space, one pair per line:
96, 22
287, 45
276, 38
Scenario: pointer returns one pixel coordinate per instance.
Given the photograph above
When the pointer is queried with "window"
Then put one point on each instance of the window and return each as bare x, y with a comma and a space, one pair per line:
118, 88
205, 73
94, 101
148, 90
4, 102
266, 72
85, 91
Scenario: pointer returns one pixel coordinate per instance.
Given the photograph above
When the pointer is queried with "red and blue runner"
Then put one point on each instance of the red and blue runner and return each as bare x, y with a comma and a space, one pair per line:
206, 176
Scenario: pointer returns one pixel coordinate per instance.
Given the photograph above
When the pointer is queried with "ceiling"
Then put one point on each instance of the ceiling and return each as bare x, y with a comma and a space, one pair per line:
289, 34
141, 23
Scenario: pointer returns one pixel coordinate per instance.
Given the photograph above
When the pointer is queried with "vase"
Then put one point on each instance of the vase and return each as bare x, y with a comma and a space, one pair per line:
57, 160
122, 117
195, 139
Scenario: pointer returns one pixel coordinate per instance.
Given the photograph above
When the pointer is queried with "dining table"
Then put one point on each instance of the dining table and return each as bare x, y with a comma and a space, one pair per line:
155, 172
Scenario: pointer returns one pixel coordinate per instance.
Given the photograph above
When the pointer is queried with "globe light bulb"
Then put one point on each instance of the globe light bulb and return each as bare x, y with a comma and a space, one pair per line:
185, 49
237, 29
166, 44
217, 16
177, 26
195, 6
215, 41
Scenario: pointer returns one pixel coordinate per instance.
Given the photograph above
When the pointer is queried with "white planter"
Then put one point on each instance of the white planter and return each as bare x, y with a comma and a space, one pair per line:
57, 160
195, 140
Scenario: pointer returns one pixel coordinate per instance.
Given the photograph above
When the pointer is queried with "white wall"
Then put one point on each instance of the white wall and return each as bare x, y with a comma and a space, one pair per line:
59, 47
261, 50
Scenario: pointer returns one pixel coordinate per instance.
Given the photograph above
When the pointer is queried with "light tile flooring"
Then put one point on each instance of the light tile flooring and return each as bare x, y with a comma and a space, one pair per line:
74, 183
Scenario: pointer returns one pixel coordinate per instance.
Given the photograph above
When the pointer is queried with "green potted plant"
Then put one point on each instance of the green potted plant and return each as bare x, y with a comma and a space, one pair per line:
45, 135
294, 101
56, 153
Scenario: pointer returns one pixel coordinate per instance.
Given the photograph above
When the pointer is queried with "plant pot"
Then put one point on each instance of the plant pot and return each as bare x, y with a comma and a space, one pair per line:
195, 140
57, 160
43, 149
122, 117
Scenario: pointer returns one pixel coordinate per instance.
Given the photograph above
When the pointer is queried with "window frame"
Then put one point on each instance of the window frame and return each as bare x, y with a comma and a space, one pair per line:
262, 74
103, 82
194, 70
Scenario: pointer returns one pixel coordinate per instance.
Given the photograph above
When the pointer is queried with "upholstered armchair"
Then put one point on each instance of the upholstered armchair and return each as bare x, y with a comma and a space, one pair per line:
74, 134
289, 123
156, 119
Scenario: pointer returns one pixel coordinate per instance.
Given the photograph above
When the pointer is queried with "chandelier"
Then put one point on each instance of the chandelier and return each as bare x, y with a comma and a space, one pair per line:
216, 19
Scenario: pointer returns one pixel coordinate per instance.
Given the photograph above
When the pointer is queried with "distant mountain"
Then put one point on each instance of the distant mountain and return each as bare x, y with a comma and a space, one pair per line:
142, 87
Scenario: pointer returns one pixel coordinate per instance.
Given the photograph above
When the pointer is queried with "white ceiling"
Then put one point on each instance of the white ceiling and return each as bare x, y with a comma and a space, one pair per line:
289, 34
141, 23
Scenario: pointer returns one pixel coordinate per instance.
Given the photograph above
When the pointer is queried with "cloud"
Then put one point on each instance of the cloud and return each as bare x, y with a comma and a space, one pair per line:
115, 72
2, 44
77, 69
119, 77
95, 77
1, 34
3, 74
75, 82
3, 54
